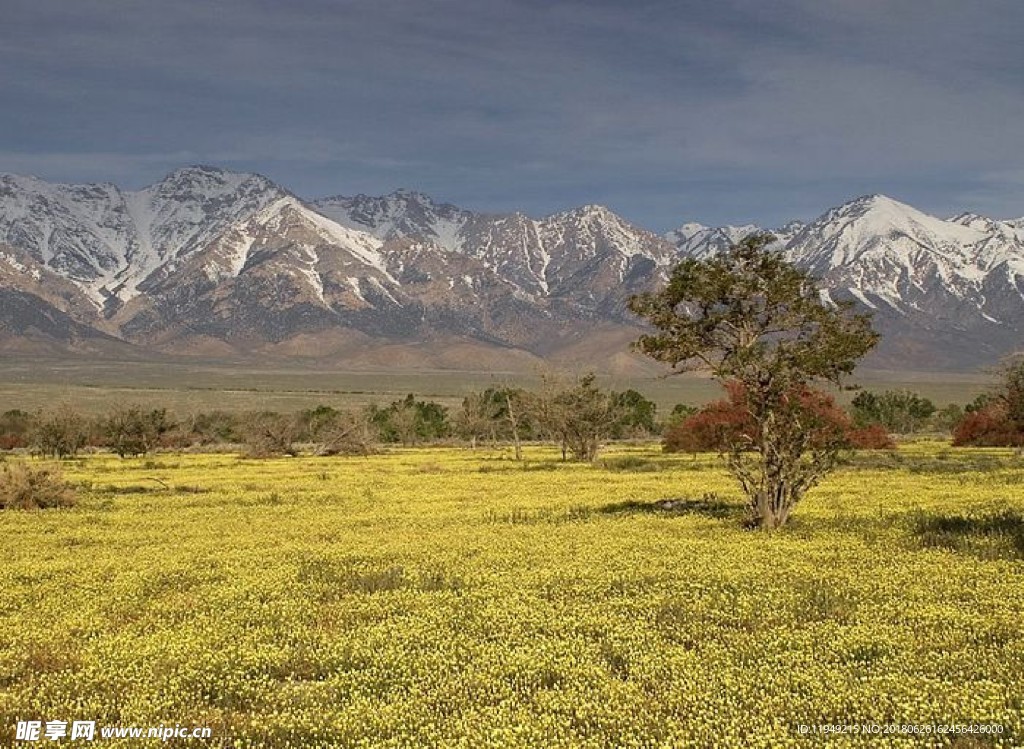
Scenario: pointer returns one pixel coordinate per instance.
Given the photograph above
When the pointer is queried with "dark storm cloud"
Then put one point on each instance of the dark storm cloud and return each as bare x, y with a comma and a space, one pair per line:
722, 111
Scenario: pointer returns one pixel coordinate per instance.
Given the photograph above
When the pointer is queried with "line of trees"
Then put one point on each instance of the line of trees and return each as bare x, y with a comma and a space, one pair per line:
993, 419
576, 414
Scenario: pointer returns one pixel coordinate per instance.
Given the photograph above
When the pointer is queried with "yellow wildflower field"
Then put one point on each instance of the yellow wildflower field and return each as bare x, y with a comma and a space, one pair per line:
457, 598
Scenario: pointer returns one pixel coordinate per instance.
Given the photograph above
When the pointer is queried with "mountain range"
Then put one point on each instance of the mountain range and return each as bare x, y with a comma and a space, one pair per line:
209, 262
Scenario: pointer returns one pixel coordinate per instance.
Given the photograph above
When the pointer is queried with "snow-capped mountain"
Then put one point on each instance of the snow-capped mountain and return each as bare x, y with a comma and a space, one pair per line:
696, 240
954, 288
284, 267
403, 213
108, 241
208, 260
571, 255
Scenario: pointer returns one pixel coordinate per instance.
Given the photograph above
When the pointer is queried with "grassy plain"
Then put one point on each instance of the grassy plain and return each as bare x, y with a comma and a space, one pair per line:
94, 386
457, 598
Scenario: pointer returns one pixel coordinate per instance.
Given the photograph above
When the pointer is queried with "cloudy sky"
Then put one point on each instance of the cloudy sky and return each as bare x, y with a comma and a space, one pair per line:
720, 111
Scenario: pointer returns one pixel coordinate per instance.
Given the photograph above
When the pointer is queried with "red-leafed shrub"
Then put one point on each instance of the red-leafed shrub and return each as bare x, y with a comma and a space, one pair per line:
725, 423
714, 427
11, 441
823, 420
872, 437
989, 427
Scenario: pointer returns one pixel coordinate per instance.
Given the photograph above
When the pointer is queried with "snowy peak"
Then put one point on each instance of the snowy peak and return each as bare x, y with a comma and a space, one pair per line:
533, 254
79, 231
874, 226
200, 178
874, 217
192, 203
399, 215
696, 240
110, 241
187, 210
864, 204
591, 213
597, 219
892, 256
579, 239
1009, 231
966, 272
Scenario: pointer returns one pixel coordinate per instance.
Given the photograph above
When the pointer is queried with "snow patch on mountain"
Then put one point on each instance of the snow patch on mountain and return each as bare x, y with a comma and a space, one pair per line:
361, 244
16, 265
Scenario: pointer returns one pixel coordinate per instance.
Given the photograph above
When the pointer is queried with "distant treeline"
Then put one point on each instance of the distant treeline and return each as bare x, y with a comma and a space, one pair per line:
575, 414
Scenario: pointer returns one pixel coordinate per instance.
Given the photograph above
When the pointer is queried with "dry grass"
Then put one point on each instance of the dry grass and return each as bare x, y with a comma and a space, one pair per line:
26, 487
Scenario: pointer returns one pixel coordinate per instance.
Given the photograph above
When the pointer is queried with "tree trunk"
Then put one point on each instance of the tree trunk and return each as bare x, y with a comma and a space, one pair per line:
771, 505
514, 423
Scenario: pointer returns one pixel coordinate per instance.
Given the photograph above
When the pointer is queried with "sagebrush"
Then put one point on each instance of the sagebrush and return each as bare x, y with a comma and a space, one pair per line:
27, 487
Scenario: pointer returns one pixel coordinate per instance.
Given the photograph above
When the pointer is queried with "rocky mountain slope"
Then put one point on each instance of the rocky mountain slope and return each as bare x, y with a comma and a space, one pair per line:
211, 262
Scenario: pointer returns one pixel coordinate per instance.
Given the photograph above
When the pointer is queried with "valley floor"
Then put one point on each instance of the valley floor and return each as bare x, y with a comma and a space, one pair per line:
449, 597
183, 386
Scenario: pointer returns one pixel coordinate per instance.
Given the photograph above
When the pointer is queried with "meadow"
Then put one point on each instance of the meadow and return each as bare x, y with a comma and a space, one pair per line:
96, 386
458, 598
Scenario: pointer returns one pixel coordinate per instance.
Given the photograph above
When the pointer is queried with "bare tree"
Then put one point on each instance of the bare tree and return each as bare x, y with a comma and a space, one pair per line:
513, 413
350, 432
269, 434
476, 417
61, 432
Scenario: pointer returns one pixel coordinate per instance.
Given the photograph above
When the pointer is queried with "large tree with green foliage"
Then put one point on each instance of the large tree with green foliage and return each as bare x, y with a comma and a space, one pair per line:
751, 318
899, 411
